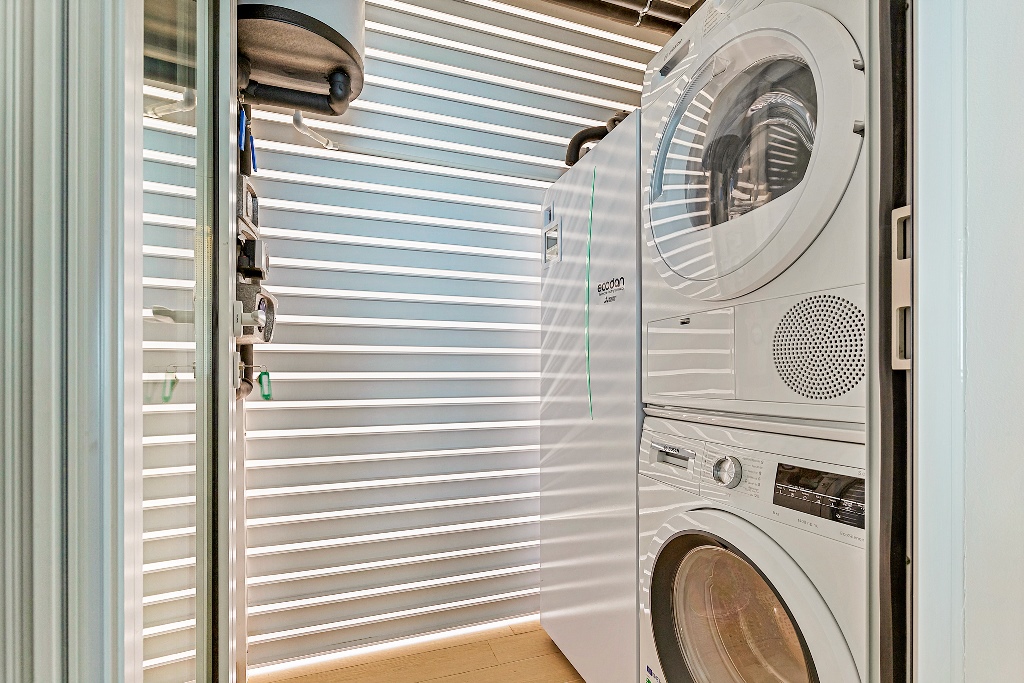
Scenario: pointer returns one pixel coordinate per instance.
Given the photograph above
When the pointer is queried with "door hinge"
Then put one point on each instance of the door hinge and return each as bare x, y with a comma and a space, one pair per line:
902, 289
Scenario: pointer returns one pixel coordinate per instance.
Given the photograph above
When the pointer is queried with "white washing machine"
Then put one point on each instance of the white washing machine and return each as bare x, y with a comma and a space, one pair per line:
590, 414
754, 202
752, 557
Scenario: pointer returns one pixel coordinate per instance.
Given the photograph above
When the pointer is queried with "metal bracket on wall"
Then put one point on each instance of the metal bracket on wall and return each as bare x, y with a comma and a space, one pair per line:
902, 289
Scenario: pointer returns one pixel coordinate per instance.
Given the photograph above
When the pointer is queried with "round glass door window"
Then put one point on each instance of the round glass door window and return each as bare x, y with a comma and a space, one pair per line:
731, 626
733, 154
718, 620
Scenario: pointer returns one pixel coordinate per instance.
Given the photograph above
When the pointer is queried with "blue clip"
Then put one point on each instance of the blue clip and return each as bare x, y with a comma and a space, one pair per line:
241, 129
252, 146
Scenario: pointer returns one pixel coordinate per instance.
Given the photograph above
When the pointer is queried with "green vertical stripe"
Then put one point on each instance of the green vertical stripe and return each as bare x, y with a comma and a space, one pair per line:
586, 307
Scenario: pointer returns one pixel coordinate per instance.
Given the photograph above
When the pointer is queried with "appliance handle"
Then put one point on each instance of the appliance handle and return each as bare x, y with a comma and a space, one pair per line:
672, 455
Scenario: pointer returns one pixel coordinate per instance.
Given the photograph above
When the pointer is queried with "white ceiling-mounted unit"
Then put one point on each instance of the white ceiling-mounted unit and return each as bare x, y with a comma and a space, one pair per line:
301, 54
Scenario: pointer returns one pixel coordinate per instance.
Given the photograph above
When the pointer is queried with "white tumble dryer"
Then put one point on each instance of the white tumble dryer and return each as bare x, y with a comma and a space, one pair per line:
590, 410
754, 203
752, 557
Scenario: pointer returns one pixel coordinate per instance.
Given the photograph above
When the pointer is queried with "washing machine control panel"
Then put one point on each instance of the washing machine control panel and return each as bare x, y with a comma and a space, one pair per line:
824, 499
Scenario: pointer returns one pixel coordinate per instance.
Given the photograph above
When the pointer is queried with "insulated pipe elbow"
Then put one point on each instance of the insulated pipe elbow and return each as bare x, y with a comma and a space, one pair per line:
341, 91
572, 152
616, 120
575, 148
335, 103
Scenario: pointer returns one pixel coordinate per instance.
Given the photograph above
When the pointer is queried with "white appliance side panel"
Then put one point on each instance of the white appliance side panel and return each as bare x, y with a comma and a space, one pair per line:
590, 433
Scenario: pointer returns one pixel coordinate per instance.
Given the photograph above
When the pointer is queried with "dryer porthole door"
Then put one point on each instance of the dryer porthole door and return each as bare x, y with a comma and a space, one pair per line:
755, 147
720, 619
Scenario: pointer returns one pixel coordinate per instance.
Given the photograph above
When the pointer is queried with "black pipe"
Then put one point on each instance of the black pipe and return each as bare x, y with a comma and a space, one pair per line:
575, 148
246, 385
335, 103
616, 120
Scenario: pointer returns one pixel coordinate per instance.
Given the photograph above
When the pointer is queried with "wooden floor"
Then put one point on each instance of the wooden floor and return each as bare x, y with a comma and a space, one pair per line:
521, 654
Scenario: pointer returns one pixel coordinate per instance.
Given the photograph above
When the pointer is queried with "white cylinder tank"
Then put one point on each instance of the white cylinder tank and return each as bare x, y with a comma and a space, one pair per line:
301, 46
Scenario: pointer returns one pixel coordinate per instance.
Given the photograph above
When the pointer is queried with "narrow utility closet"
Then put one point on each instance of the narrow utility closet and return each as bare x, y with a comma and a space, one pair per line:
510, 341
392, 476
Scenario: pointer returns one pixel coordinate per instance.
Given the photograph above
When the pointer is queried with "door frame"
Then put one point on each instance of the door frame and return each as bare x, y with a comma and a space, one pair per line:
939, 578
103, 362
71, 338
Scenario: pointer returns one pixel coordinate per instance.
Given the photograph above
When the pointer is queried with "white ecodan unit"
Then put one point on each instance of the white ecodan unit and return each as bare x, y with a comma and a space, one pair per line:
590, 413
754, 210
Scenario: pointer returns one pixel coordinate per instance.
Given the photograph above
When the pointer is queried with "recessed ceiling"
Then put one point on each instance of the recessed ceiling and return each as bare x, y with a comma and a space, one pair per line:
665, 16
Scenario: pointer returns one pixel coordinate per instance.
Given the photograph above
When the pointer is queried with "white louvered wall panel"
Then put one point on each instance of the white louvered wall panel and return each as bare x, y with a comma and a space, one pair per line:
169, 456
393, 481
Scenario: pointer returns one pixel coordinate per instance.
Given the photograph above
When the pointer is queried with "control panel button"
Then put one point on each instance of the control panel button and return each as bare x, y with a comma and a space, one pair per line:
728, 471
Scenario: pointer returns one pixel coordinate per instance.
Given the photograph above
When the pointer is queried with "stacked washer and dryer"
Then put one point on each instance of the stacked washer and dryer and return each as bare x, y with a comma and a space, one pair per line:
752, 467
752, 479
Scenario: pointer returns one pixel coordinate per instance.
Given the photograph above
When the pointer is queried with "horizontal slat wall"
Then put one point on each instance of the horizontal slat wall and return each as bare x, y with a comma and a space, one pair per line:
169, 457
393, 480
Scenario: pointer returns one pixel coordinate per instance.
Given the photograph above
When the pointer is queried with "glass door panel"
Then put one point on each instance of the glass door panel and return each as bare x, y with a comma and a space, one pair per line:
177, 340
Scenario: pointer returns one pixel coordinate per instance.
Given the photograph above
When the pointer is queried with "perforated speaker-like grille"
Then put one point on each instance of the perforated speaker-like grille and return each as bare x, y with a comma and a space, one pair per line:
820, 347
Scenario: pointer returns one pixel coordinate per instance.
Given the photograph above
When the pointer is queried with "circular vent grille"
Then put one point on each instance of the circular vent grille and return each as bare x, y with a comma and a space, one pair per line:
820, 347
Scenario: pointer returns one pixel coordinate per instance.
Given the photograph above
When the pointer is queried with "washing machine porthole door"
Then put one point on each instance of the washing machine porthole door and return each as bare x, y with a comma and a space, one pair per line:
718, 620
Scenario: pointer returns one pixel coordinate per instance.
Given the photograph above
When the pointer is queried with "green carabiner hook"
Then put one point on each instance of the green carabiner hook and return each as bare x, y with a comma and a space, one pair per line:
170, 381
265, 391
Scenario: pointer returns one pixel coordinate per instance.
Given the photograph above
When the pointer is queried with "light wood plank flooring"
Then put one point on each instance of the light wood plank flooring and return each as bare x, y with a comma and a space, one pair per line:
522, 653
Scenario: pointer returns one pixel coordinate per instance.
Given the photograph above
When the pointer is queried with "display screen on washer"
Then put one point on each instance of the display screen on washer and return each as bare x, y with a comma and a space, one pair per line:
822, 494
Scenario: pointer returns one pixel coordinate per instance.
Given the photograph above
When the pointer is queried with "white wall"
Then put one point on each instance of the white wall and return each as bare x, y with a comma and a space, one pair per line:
970, 541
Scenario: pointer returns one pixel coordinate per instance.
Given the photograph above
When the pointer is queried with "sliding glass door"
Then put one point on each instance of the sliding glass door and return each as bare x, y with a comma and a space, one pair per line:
188, 394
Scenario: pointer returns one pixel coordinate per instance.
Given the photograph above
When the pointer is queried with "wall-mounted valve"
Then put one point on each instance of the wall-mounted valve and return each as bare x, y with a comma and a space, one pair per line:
255, 313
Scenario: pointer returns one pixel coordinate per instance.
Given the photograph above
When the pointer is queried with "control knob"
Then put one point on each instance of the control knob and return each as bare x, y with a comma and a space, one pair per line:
728, 471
